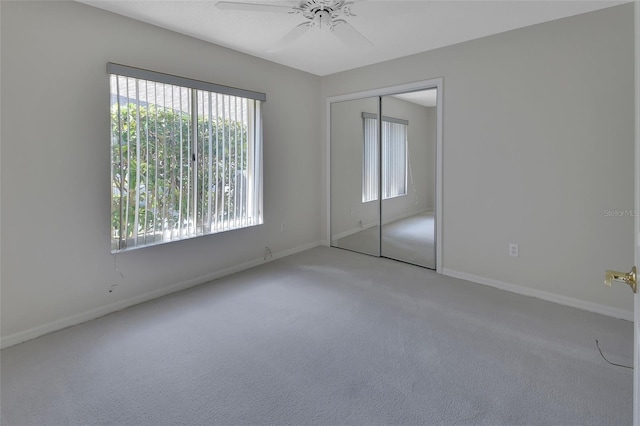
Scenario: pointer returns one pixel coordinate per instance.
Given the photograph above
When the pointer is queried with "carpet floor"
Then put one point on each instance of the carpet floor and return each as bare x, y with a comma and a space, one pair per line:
327, 337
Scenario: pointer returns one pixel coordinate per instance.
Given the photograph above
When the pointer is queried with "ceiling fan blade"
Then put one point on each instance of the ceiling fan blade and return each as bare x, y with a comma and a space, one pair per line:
350, 36
253, 7
290, 37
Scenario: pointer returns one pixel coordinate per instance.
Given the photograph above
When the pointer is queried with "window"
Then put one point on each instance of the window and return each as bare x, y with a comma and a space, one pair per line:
394, 157
186, 158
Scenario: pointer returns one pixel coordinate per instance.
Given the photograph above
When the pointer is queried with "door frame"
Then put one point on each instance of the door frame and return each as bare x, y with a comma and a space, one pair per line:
435, 83
636, 325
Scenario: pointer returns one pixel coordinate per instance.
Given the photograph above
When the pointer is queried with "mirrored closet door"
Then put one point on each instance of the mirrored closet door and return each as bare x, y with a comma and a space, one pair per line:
383, 176
408, 177
355, 212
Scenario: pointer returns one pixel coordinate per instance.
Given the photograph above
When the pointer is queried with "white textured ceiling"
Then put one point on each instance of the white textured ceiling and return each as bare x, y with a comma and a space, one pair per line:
427, 98
396, 28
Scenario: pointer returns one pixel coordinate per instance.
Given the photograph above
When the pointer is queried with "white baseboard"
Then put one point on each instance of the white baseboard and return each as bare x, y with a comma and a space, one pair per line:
544, 295
32, 333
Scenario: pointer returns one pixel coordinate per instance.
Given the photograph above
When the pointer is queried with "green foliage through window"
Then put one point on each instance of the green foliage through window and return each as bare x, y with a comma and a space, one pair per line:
169, 182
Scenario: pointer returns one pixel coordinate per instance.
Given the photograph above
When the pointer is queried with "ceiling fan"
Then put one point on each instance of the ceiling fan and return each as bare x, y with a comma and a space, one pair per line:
329, 14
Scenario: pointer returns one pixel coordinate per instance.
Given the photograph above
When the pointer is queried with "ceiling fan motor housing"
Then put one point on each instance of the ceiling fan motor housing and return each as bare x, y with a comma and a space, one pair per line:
325, 12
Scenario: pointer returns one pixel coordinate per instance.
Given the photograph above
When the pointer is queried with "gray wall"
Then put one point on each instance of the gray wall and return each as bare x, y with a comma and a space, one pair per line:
56, 261
538, 150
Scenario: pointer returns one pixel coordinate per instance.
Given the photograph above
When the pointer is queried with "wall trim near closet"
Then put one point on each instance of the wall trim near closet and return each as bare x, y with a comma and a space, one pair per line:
437, 83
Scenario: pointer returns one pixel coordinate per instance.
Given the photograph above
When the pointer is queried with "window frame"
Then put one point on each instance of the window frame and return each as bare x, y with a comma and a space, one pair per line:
251, 181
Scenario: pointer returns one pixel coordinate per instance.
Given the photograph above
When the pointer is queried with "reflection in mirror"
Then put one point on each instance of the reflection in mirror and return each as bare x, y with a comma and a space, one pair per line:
408, 177
354, 211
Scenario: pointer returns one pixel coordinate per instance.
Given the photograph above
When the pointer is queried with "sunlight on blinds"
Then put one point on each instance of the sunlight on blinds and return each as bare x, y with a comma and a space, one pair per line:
185, 162
394, 158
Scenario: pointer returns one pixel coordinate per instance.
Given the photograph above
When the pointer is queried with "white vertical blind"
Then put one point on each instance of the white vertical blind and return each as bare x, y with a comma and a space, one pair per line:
370, 164
185, 162
394, 157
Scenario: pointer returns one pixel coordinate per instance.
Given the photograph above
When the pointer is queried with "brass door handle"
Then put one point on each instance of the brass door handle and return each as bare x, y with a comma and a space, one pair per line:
629, 278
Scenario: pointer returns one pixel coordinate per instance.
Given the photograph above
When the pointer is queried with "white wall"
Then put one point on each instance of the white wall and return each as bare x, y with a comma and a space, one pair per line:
538, 146
56, 261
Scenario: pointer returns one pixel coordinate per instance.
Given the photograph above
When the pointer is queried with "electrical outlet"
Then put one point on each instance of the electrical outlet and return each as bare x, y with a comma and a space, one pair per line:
513, 250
